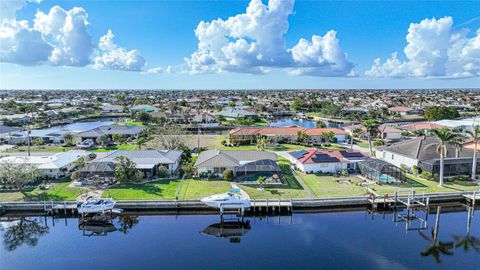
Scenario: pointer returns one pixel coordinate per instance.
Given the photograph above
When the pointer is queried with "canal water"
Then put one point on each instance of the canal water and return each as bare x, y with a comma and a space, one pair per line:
346, 240
292, 122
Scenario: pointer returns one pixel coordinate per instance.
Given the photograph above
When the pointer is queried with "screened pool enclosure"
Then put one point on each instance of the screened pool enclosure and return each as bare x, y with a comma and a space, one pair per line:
381, 171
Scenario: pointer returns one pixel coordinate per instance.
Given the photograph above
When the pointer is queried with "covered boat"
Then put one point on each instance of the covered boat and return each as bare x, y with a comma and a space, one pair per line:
95, 205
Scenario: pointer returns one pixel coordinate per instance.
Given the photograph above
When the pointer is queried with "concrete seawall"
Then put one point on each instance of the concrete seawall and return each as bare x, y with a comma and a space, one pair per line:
196, 205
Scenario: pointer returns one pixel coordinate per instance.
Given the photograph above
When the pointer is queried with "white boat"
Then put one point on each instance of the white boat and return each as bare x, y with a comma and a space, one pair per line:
93, 205
232, 199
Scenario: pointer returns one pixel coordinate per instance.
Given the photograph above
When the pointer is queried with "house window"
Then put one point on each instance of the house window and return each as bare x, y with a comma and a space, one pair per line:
393, 157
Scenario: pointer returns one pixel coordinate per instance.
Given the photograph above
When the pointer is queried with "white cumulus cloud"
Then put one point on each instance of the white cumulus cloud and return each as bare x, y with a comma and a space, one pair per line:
61, 38
67, 31
435, 49
113, 57
253, 42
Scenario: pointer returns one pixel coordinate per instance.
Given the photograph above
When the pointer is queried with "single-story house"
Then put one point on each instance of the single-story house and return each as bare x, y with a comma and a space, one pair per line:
144, 108
110, 108
241, 162
290, 133
7, 132
237, 113
325, 161
400, 110
389, 132
147, 161
420, 126
203, 117
108, 130
53, 166
422, 152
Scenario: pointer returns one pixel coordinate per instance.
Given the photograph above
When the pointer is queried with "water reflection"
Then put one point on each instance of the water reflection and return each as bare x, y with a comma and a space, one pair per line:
468, 241
127, 222
232, 230
436, 247
96, 229
20, 231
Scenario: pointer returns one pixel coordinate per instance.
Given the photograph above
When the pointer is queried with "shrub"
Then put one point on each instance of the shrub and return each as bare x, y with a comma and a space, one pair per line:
345, 172
203, 175
228, 175
415, 170
334, 140
427, 175
162, 172
404, 167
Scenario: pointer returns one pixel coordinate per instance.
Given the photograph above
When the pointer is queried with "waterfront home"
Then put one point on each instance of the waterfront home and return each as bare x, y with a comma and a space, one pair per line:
53, 166
400, 110
7, 133
109, 108
463, 123
389, 132
237, 113
420, 126
241, 162
146, 161
144, 108
202, 117
108, 130
285, 134
21, 118
325, 161
422, 152
380, 171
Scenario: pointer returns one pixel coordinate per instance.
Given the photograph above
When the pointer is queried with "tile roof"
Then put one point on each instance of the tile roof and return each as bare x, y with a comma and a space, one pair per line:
313, 156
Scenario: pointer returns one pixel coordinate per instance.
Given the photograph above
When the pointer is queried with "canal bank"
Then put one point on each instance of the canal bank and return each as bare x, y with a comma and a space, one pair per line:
263, 205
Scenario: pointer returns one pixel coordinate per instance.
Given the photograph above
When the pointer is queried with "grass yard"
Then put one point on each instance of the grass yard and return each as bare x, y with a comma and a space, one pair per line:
194, 189
422, 185
39, 148
130, 123
327, 186
282, 147
161, 190
115, 147
293, 189
60, 192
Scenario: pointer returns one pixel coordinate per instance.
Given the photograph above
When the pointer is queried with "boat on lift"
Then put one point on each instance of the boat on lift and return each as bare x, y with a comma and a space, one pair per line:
233, 199
96, 205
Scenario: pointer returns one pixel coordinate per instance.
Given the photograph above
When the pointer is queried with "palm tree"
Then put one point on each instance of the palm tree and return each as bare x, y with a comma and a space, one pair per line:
140, 141
67, 137
475, 136
436, 247
371, 127
468, 241
445, 136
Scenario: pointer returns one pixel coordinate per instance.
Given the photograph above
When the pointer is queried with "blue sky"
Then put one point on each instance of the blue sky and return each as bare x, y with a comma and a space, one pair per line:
163, 34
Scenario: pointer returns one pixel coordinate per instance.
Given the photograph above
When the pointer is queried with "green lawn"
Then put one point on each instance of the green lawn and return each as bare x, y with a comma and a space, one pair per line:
40, 148
115, 147
194, 189
327, 186
130, 123
161, 190
422, 185
281, 147
60, 192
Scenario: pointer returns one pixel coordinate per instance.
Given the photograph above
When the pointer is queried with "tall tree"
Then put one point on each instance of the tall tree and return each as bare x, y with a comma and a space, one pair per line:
18, 174
371, 127
445, 136
475, 136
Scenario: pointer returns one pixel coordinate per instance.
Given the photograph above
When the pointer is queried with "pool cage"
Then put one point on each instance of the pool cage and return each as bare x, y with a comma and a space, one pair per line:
452, 166
381, 171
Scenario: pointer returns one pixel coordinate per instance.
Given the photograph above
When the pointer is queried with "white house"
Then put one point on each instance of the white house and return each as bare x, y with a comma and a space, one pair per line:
325, 161
53, 166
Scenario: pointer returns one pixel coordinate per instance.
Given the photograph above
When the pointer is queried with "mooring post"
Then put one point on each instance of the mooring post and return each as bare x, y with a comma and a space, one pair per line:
267, 206
65, 208
474, 198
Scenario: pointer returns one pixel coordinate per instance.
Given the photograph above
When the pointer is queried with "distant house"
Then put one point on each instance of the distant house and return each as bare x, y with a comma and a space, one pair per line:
21, 118
109, 108
144, 108
7, 132
389, 132
463, 123
54, 166
400, 110
241, 162
325, 161
422, 152
169, 116
203, 117
420, 126
236, 113
108, 130
147, 161
279, 134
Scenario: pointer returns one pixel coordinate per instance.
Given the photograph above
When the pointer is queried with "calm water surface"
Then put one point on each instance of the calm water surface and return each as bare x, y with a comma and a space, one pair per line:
349, 240
291, 122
